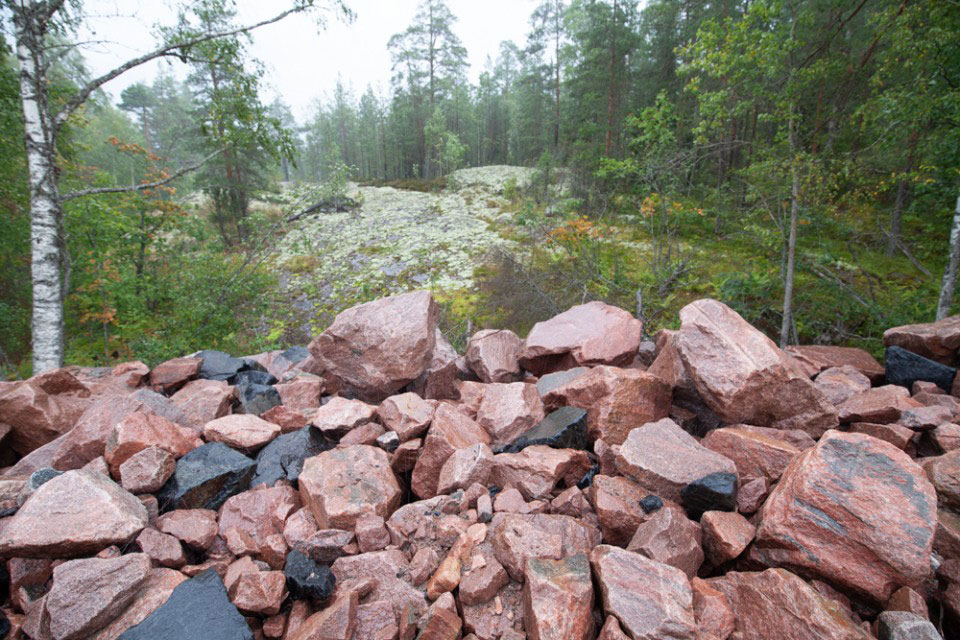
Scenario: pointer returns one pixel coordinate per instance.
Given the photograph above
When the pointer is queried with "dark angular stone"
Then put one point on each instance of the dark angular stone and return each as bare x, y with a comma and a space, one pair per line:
551, 381
256, 399
715, 492
905, 367
198, 609
251, 376
651, 503
41, 477
584, 483
306, 579
389, 441
4, 583
565, 428
295, 354
284, 456
4, 625
206, 477
252, 365
218, 365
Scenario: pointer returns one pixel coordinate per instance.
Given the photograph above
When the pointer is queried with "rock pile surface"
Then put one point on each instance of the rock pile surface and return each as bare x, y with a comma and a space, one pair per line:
579, 484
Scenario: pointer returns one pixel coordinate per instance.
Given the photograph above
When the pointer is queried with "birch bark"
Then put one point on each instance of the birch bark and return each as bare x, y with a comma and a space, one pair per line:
46, 211
950, 273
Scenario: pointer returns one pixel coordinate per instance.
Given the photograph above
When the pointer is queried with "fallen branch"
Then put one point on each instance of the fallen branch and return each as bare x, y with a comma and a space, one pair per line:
141, 187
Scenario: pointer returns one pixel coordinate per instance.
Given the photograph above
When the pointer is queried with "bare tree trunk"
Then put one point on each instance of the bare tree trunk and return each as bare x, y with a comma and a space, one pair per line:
791, 243
610, 102
46, 209
903, 194
896, 217
556, 78
950, 273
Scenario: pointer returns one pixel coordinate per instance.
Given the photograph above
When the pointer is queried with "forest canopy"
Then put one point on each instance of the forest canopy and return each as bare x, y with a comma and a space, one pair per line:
798, 159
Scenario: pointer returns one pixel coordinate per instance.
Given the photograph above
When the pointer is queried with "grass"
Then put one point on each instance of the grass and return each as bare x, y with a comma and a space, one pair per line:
847, 290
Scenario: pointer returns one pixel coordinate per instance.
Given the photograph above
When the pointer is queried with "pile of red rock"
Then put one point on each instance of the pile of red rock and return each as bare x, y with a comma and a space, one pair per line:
582, 483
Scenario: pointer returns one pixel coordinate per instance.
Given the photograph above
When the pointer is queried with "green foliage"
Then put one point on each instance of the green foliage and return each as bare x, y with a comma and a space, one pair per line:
446, 150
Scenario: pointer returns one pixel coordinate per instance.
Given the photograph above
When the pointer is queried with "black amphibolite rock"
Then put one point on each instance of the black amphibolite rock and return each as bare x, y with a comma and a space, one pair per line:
905, 367
284, 456
198, 609
389, 441
715, 492
4, 584
565, 428
206, 477
218, 365
251, 376
306, 579
256, 399
295, 354
41, 477
651, 503
587, 479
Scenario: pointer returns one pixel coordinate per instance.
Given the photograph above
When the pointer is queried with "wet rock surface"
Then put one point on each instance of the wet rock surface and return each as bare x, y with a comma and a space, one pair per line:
828, 515
206, 477
379, 347
198, 608
904, 368
565, 428
283, 457
75, 513
743, 376
552, 487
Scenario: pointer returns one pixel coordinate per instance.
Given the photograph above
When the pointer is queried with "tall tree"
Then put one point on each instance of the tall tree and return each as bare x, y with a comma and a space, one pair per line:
547, 22
34, 24
429, 59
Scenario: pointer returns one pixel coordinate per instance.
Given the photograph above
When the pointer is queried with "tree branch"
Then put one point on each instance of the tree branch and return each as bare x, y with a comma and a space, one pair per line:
167, 50
52, 8
141, 187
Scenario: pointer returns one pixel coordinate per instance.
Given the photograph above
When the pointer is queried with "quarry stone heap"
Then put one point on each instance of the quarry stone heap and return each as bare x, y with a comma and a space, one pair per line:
582, 483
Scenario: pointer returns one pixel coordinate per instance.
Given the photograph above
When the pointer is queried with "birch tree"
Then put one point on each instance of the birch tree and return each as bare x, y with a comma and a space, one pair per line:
950, 273
35, 23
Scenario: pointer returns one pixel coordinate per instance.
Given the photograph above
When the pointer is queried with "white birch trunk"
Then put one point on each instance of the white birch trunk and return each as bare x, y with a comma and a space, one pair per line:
46, 210
950, 273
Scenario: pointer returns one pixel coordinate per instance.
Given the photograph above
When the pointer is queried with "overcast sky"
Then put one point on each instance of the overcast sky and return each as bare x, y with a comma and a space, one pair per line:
302, 62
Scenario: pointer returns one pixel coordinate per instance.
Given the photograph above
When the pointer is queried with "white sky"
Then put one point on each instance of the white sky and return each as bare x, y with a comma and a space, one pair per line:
302, 62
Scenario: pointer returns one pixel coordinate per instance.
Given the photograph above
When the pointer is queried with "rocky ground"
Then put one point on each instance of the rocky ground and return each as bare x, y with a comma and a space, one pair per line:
397, 240
582, 483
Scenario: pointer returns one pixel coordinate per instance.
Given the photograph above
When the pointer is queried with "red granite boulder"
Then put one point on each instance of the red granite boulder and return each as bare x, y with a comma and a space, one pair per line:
617, 400
73, 514
379, 347
817, 358
449, 430
936, 340
340, 485
589, 334
651, 600
492, 354
838, 509
558, 599
509, 410
662, 457
743, 376
776, 601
